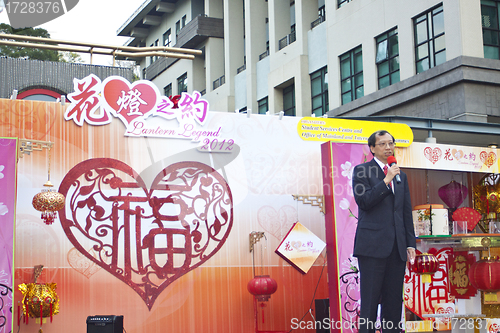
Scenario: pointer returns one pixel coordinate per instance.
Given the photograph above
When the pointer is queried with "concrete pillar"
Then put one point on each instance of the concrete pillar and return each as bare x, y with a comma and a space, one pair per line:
255, 28
233, 40
279, 22
214, 8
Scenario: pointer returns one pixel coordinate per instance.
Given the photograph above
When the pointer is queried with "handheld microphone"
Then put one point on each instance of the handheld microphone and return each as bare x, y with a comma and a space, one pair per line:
392, 160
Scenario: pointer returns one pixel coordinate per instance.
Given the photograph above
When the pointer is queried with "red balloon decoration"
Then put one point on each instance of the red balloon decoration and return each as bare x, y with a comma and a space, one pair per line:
425, 265
262, 287
453, 194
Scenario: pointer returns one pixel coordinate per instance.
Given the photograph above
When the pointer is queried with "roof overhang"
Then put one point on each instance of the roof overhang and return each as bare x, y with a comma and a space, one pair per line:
147, 15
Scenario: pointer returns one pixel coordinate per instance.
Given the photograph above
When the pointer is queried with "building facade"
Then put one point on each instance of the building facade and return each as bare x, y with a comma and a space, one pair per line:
433, 59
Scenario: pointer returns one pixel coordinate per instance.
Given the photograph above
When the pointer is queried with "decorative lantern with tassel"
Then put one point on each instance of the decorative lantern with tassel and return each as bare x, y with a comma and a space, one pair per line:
48, 201
39, 300
426, 264
484, 275
262, 287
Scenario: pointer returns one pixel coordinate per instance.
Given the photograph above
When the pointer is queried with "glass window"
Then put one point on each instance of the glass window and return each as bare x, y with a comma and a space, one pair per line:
167, 90
289, 100
387, 58
351, 75
177, 29
319, 92
167, 38
183, 21
491, 29
154, 58
430, 46
263, 105
182, 85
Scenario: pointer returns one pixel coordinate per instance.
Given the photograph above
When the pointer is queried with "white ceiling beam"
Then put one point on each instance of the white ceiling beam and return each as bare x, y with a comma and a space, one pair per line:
164, 7
139, 32
152, 20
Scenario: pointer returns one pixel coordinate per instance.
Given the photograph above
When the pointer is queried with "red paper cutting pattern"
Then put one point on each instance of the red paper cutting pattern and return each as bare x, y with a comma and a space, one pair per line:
165, 231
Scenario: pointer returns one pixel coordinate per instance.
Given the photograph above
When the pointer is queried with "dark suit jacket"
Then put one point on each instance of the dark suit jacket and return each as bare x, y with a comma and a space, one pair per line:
383, 216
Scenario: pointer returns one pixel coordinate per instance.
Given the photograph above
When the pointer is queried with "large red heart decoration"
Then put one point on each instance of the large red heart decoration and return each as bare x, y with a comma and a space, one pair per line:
147, 238
433, 155
488, 158
129, 101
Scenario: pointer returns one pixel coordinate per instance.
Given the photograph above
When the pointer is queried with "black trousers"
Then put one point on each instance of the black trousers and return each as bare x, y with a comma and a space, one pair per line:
381, 281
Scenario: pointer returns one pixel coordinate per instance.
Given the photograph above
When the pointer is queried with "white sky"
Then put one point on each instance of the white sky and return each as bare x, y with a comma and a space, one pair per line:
93, 21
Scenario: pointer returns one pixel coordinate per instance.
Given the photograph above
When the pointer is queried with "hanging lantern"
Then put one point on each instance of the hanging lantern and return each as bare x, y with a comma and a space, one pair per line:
48, 201
40, 300
484, 275
425, 264
262, 287
453, 194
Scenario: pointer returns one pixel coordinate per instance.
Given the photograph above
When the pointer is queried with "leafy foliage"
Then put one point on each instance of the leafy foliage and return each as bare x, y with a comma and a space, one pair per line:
27, 52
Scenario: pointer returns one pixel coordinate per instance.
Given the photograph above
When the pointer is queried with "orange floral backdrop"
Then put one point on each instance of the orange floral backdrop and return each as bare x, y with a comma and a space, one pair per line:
272, 165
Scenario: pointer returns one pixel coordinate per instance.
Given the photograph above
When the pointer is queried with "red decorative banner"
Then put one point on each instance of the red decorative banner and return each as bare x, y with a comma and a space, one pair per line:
458, 278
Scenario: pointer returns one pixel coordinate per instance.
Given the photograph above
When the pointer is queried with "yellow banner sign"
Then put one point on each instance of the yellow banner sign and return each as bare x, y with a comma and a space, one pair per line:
350, 131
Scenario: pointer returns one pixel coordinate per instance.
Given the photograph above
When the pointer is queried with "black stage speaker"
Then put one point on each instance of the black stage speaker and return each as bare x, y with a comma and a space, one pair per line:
104, 324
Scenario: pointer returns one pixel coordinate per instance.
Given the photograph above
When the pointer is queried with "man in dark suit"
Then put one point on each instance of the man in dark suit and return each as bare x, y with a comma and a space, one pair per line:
385, 237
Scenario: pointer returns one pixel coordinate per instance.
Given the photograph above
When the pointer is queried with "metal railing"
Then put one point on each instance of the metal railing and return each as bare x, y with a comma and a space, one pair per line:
317, 22
241, 69
219, 82
263, 55
287, 40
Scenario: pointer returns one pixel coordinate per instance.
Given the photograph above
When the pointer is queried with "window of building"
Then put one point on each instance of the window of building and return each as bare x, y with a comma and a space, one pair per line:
154, 58
263, 105
183, 21
491, 29
167, 38
340, 3
387, 58
167, 90
322, 11
319, 92
289, 100
430, 48
351, 75
177, 29
182, 85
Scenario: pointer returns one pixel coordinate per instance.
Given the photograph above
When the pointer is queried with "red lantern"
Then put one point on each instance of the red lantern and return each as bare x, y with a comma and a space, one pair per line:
484, 275
426, 264
262, 287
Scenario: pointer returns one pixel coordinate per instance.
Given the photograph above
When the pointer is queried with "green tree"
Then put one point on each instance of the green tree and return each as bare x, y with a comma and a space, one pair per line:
67, 56
27, 52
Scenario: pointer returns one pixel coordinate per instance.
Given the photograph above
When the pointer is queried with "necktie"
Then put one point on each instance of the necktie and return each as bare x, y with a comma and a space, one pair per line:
385, 173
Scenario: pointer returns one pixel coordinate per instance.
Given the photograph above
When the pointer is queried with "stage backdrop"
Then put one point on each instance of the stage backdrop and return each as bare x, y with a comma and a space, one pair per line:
156, 224
8, 149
